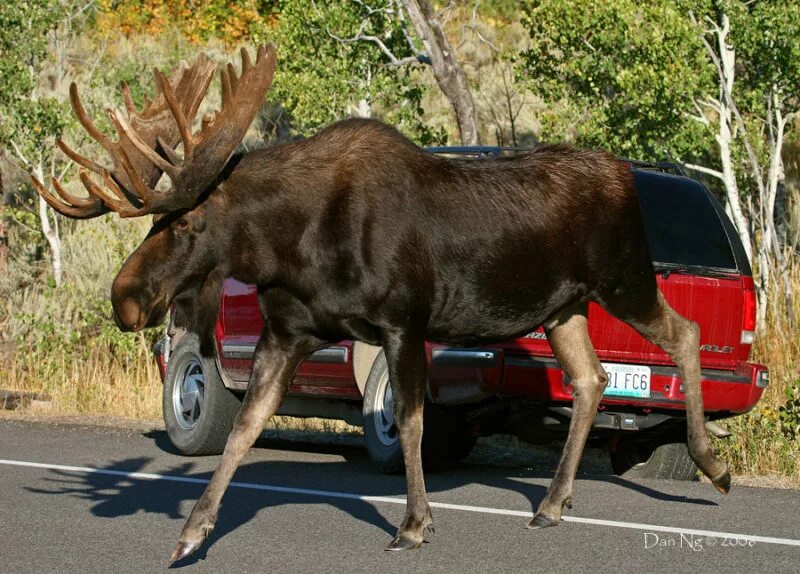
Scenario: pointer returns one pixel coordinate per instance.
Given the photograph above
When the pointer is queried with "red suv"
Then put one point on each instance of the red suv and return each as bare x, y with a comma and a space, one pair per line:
516, 387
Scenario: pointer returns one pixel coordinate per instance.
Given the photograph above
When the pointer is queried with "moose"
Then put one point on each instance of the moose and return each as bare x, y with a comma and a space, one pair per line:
357, 233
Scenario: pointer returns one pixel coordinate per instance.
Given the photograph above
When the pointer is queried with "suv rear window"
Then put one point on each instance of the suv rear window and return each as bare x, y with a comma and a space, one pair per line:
683, 226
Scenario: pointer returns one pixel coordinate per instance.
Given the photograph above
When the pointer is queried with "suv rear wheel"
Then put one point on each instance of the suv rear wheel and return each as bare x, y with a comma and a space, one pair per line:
198, 410
651, 459
445, 438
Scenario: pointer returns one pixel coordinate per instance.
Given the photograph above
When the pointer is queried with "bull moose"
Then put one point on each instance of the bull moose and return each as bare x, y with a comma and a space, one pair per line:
357, 233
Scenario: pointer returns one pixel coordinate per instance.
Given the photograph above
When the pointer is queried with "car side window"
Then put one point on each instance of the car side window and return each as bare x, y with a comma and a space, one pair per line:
683, 228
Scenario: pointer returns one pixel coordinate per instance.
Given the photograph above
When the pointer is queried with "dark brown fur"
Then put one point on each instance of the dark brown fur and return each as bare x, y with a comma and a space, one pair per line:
357, 233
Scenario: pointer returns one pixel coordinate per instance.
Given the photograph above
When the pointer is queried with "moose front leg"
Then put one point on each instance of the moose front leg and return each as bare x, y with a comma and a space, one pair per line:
568, 336
273, 369
408, 366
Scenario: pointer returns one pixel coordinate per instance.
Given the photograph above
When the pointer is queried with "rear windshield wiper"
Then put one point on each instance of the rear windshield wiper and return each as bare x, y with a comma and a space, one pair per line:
667, 269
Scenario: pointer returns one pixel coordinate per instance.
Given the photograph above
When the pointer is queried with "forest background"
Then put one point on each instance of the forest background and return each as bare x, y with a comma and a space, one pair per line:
711, 84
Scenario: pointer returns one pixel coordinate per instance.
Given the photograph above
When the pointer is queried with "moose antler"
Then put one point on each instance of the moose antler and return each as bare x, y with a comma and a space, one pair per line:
163, 124
153, 124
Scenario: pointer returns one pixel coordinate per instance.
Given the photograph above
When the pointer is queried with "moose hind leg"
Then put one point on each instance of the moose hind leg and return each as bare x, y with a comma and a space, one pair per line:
568, 336
680, 338
273, 369
405, 355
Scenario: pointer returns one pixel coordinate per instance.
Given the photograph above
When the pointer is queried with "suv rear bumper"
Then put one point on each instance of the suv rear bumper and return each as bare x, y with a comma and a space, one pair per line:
724, 391
471, 375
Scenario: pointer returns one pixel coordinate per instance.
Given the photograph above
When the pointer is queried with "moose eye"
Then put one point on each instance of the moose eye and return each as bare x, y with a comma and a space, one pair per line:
182, 224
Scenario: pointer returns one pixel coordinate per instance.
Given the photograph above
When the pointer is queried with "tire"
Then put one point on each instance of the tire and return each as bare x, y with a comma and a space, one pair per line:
445, 436
198, 410
648, 459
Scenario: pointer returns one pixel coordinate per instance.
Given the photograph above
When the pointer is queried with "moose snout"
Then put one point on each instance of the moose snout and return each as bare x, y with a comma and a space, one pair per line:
129, 299
129, 315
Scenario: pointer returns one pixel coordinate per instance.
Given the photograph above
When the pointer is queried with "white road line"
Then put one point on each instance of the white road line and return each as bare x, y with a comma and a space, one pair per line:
398, 500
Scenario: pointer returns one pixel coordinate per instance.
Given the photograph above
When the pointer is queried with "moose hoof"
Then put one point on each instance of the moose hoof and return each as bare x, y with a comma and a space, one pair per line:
723, 482
182, 550
403, 543
542, 521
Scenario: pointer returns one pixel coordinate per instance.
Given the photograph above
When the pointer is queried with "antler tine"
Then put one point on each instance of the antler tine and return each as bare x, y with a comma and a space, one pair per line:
246, 65
126, 96
140, 189
192, 91
84, 211
113, 148
262, 53
248, 88
123, 126
172, 101
86, 122
113, 203
132, 199
189, 81
208, 119
234, 79
169, 151
82, 161
73, 200
225, 87
139, 132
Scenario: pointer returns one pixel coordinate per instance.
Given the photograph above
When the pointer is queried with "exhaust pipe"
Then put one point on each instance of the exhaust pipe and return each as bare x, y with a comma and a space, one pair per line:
717, 429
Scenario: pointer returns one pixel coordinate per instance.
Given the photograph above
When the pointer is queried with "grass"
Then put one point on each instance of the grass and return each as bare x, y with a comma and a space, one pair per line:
98, 384
101, 384
765, 440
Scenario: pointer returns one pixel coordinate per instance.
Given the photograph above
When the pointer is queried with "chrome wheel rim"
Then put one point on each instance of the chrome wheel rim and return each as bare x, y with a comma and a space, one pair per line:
383, 413
188, 394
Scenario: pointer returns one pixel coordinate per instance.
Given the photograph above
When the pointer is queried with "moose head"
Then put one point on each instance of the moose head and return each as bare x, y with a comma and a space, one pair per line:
175, 257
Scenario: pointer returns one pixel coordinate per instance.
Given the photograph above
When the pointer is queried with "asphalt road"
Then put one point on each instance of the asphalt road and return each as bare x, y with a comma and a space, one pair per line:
89, 499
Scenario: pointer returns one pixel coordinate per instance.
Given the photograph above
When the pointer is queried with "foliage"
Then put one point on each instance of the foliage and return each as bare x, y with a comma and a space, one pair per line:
197, 20
323, 75
767, 40
627, 73
26, 117
21, 41
320, 79
71, 323
789, 413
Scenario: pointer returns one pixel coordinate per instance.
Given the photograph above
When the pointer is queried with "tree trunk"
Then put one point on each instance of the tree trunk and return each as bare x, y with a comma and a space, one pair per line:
50, 233
727, 58
446, 69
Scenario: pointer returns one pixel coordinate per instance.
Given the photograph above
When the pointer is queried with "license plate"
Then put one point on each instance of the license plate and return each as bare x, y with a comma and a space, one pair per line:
627, 380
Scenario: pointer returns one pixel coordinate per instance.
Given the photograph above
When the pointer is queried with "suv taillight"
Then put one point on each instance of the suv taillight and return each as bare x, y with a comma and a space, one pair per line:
749, 321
